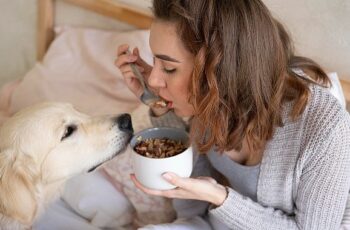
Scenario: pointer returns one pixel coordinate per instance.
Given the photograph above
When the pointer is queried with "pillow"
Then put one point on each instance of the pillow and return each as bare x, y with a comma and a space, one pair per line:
93, 197
79, 68
336, 89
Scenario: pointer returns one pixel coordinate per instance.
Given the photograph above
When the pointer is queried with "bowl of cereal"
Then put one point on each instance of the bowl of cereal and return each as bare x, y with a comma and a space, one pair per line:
160, 150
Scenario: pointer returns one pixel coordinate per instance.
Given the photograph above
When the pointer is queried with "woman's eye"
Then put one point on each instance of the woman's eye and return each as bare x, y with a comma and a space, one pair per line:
68, 131
169, 71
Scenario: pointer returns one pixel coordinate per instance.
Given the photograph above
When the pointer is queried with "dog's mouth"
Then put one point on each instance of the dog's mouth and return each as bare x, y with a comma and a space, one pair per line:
93, 168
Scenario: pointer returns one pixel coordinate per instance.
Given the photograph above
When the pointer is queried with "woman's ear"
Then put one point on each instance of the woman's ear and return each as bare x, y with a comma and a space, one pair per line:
17, 188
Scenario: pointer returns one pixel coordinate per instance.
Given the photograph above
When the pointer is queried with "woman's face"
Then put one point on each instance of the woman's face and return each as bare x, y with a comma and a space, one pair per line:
173, 66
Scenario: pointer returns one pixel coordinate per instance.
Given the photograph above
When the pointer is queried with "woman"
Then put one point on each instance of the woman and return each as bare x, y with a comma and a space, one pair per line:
261, 117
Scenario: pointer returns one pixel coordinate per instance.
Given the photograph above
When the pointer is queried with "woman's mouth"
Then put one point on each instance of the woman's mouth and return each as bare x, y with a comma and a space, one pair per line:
162, 103
170, 104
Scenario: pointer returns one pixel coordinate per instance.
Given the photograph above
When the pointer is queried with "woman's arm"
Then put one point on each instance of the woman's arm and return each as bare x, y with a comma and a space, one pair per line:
321, 195
320, 199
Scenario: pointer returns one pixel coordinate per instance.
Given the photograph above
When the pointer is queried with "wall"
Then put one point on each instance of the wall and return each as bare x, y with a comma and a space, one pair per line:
18, 31
17, 43
321, 30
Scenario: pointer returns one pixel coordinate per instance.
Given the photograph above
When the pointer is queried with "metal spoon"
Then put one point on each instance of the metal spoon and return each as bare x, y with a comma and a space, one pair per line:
147, 97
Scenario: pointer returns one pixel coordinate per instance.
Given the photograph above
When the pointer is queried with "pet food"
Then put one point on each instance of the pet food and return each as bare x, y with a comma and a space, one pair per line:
159, 147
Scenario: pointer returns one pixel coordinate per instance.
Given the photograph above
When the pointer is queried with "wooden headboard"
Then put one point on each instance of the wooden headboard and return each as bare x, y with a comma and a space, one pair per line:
46, 13
136, 17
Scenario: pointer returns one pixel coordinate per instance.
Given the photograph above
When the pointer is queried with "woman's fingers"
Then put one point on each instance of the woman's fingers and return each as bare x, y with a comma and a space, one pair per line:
126, 69
144, 189
204, 188
139, 60
125, 59
171, 193
210, 179
136, 51
122, 49
182, 182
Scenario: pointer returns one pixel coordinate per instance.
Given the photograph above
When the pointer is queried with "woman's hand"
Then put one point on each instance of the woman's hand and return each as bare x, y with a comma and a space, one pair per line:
201, 188
122, 62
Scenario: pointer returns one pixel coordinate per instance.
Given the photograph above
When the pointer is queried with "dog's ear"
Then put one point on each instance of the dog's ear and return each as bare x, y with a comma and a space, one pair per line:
17, 188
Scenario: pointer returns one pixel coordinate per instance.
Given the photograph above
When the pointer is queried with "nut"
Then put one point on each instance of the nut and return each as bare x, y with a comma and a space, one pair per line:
159, 147
159, 104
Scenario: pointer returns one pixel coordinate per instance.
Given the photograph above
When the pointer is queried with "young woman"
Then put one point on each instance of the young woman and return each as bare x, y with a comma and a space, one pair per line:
260, 116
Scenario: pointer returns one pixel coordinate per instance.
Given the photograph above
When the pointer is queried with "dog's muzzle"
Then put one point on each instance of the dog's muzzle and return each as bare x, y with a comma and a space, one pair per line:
124, 123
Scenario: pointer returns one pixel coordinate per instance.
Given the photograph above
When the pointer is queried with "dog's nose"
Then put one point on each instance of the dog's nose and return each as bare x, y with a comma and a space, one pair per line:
124, 123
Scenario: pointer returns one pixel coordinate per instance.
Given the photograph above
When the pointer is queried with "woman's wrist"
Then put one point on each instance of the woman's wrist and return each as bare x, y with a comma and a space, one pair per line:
220, 195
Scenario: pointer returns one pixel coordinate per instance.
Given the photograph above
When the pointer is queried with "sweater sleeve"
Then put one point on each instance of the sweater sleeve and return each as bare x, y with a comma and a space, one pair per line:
321, 194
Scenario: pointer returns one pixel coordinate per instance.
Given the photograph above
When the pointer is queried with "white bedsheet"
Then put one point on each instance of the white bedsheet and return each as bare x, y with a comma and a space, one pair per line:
90, 192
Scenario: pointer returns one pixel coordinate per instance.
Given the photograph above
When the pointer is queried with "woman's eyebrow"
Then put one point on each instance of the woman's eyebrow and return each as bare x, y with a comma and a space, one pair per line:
166, 58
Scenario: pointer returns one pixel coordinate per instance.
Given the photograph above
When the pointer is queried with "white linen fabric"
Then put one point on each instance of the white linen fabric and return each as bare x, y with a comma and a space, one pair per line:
86, 194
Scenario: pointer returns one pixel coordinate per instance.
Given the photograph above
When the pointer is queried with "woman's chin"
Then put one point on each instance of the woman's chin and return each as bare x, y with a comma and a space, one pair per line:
182, 113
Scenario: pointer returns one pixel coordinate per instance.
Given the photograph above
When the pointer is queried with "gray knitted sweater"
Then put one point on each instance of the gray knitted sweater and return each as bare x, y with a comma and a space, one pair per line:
304, 178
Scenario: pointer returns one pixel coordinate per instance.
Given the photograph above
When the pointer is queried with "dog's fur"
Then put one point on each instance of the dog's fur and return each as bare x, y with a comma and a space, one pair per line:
37, 156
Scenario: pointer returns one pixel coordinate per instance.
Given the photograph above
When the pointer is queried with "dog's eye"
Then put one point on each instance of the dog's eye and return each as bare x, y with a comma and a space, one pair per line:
69, 131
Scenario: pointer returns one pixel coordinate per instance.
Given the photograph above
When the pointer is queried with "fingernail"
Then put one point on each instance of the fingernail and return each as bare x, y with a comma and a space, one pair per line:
167, 176
132, 58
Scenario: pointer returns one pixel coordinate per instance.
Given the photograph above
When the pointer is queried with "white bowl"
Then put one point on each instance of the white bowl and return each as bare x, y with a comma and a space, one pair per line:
148, 171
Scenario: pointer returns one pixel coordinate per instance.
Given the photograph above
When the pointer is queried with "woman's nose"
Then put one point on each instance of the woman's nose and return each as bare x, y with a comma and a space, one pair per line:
156, 79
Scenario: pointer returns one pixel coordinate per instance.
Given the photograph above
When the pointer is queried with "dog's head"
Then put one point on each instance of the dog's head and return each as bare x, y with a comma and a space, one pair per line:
51, 142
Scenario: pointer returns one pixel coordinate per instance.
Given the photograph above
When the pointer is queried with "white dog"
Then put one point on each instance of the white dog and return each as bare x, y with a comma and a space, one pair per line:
43, 146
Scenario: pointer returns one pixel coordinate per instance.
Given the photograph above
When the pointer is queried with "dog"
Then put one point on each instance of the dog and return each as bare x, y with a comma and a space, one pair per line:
41, 147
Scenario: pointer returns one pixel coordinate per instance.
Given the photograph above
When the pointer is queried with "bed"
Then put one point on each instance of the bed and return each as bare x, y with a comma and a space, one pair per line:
75, 65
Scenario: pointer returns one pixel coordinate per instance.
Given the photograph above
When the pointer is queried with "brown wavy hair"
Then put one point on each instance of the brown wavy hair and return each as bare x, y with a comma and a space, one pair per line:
243, 70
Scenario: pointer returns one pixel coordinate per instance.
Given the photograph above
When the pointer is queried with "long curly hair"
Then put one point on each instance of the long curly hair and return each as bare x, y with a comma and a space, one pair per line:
243, 70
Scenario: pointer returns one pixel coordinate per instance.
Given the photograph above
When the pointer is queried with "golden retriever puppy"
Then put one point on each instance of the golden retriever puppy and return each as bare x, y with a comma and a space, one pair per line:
43, 146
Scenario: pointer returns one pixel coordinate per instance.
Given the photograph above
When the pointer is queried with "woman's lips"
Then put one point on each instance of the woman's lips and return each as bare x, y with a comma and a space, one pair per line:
169, 104
162, 103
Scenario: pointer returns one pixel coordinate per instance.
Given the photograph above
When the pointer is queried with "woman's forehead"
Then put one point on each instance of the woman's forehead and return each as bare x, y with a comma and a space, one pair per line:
165, 41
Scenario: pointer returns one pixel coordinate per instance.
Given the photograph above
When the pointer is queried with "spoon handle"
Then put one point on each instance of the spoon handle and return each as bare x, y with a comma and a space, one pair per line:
137, 73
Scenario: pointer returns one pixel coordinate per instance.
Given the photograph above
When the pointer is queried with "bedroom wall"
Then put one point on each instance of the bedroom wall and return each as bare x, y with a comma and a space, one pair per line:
18, 31
321, 30
17, 47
